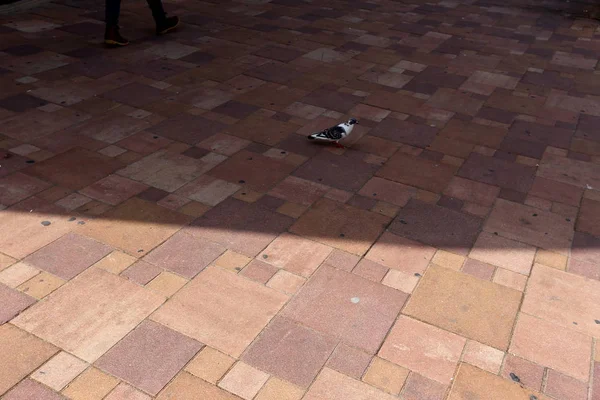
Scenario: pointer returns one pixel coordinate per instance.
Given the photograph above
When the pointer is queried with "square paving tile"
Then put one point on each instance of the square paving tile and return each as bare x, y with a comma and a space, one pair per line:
22, 352
477, 309
135, 225
332, 385
425, 349
244, 380
149, 357
402, 254
184, 254
254, 226
167, 171
565, 299
59, 371
254, 171
346, 172
75, 169
113, 189
437, 226
295, 254
221, 309
349, 361
530, 225
346, 306
68, 256
553, 346
18, 186
505, 253
290, 351
13, 303
473, 383
341, 226
187, 387
90, 314
417, 171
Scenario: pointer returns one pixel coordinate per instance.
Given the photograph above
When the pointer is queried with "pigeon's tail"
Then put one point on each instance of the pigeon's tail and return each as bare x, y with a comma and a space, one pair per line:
311, 137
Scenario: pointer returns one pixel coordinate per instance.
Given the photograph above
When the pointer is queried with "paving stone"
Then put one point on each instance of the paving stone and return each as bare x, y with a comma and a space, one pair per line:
405, 132
188, 387
505, 253
482, 356
472, 191
349, 361
244, 381
401, 254
526, 372
113, 189
277, 389
29, 389
335, 386
479, 269
93, 384
345, 311
18, 186
417, 171
41, 285
567, 170
465, 305
295, 254
556, 191
59, 371
125, 392
562, 386
386, 376
291, 352
496, 172
249, 305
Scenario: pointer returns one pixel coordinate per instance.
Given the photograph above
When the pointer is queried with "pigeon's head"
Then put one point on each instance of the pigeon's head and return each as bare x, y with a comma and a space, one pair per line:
352, 121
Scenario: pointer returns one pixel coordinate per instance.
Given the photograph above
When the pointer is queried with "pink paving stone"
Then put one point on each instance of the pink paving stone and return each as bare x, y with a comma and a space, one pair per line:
423, 348
341, 260
356, 311
523, 371
588, 220
114, 189
185, 254
482, 356
570, 171
290, 351
69, 255
149, 357
286, 282
349, 361
299, 190
13, 302
295, 254
583, 268
388, 191
370, 270
530, 225
259, 271
553, 346
30, 389
401, 254
505, 253
418, 387
18, 186
510, 279
596, 387
564, 387
476, 192
478, 269
556, 191
141, 272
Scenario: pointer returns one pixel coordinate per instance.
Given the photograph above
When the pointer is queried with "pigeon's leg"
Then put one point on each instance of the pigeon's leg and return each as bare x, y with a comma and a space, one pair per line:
339, 146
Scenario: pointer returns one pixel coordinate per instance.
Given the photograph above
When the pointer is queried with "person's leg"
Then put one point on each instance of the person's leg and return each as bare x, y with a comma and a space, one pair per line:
112, 37
164, 24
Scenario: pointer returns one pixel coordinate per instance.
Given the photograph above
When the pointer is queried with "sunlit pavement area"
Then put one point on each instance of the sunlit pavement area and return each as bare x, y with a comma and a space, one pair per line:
167, 230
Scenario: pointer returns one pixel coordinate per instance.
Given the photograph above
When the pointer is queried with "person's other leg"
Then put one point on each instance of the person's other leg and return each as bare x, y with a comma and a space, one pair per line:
112, 37
164, 24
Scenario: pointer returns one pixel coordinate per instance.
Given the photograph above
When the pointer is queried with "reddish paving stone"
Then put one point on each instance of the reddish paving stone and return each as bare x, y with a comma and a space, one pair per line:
290, 351
30, 389
135, 94
141, 272
187, 128
472, 133
347, 172
113, 189
333, 385
541, 134
479, 269
563, 387
18, 186
370, 270
342, 260
496, 172
185, 254
299, 191
502, 252
75, 169
254, 226
405, 132
144, 143
437, 226
420, 388
68, 256
573, 172
472, 191
349, 361
523, 371
388, 191
556, 191
295, 254
417, 171
259, 271
332, 100
149, 357
401, 254
346, 306
13, 302
588, 220
454, 100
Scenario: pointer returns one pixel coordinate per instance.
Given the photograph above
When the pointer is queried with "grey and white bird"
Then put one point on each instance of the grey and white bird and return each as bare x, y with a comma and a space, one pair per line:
335, 133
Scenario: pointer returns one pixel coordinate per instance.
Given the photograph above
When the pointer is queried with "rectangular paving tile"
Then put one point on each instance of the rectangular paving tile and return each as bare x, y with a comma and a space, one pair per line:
346, 306
149, 357
187, 387
30, 389
90, 314
18, 186
530, 225
465, 305
332, 385
405, 132
571, 171
497, 172
437, 226
13, 303
388, 191
417, 171
341, 226
401, 254
187, 128
295, 254
290, 351
221, 309
502, 252
113, 189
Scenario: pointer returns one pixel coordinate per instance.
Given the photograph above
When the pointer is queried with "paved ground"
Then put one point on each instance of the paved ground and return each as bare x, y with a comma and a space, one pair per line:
168, 232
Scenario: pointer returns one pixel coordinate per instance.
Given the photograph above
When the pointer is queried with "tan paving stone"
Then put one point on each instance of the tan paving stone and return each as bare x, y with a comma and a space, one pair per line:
482, 356
232, 261
90, 314
210, 365
167, 283
295, 254
116, 262
331, 385
448, 260
244, 381
188, 387
277, 389
41, 285
551, 259
59, 371
510, 279
17, 274
93, 384
401, 254
125, 392
465, 305
386, 376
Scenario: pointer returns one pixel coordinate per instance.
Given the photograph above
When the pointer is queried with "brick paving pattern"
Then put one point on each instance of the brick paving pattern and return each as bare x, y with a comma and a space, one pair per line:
168, 232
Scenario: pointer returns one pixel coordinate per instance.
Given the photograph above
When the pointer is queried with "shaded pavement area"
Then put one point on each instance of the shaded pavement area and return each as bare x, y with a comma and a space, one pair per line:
167, 231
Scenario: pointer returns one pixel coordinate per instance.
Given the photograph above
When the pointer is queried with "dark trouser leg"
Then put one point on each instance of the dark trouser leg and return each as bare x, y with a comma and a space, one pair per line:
113, 9
157, 10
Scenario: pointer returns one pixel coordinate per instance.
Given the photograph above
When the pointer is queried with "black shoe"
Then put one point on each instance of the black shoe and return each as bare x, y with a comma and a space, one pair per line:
167, 25
113, 38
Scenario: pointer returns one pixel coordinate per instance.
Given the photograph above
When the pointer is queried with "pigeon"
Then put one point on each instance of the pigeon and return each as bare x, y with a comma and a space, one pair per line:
335, 133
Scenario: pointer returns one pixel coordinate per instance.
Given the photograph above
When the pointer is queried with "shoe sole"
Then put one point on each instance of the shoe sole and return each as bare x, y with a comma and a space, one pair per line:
114, 43
169, 29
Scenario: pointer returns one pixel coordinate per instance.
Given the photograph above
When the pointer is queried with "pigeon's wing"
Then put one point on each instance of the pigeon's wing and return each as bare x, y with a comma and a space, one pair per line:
332, 134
